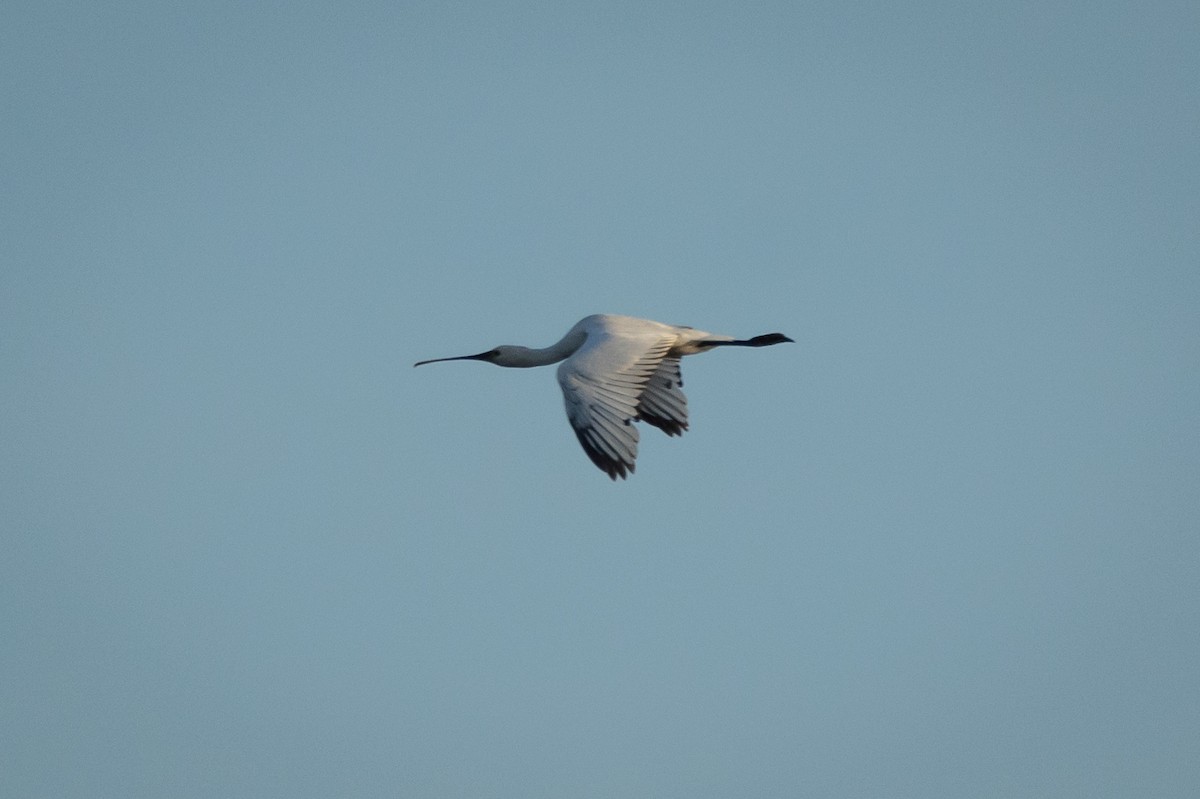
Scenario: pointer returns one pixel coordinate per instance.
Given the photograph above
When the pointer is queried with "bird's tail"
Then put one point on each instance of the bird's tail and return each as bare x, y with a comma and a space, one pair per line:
765, 340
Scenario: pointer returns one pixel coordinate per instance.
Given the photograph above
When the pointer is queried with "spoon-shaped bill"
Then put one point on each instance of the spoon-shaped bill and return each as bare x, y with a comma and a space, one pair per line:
483, 356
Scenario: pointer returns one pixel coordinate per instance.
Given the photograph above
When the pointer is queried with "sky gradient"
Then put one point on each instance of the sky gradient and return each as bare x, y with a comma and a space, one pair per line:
945, 545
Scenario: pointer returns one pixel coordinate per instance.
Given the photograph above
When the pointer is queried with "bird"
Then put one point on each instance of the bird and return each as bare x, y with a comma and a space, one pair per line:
617, 370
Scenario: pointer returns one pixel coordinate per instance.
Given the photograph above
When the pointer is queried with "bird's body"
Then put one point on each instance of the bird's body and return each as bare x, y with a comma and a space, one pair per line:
616, 370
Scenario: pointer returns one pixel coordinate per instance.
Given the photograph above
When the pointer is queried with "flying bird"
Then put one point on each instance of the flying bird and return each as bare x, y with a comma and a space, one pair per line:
616, 370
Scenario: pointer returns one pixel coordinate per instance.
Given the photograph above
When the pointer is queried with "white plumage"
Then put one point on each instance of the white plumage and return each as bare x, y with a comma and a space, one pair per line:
616, 370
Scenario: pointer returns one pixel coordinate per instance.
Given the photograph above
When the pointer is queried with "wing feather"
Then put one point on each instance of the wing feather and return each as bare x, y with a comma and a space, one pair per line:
603, 384
663, 403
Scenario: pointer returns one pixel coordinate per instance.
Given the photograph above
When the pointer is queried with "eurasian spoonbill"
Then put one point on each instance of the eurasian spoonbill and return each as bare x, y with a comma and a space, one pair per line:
617, 370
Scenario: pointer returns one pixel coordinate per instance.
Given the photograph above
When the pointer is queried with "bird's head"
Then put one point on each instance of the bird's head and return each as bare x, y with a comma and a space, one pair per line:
490, 356
503, 355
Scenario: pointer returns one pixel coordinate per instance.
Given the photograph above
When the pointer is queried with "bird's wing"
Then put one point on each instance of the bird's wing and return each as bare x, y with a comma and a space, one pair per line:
663, 403
602, 384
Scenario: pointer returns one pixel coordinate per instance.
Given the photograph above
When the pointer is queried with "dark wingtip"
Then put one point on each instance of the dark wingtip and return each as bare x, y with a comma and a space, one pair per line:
613, 467
672, 427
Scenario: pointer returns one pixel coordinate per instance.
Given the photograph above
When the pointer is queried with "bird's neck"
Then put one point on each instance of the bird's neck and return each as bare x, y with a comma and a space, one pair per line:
522, 357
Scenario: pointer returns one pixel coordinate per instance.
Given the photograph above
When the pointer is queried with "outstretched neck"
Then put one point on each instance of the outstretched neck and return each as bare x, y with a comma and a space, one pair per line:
523, 357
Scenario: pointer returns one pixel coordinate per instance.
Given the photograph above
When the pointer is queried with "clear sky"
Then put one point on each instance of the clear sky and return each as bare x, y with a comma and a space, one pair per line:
945, 545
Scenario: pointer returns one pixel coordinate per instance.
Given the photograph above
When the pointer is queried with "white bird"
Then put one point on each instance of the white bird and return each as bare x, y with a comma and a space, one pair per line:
617, 370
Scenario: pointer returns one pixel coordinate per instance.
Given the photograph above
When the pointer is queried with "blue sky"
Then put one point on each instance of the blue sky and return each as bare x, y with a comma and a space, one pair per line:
943, 546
